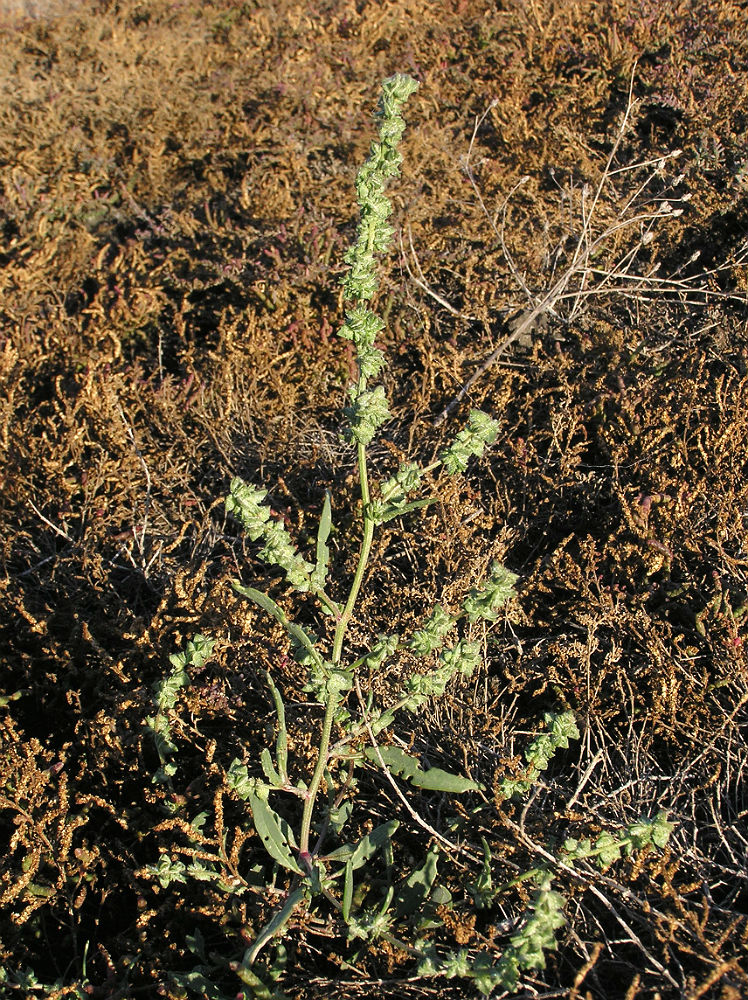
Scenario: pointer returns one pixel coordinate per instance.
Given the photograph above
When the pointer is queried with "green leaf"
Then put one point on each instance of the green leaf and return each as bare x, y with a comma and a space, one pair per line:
197, 651
538, 755
370, 844
268, 768
281, 743
418, 886
563, 726
371, 924
650, 831
661, 830
340, 816
196, 983
265, 602
297, 634
389, 513
238, 779
275, 926
482, 891
196, 944
279, 550
275, 833
607, 849
348, 891
168, 871
319, 574
260, 989
407, 767
384, 648
365, 847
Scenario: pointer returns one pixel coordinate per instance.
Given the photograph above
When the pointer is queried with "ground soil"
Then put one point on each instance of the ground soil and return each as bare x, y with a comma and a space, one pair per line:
177, 194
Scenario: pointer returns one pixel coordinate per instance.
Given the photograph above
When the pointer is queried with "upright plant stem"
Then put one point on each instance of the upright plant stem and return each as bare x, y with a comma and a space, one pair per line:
333, 698
363, 558
369, 410
324, 744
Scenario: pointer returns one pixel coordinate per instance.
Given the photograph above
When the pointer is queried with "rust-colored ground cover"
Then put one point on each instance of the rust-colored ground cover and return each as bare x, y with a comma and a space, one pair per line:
177, 193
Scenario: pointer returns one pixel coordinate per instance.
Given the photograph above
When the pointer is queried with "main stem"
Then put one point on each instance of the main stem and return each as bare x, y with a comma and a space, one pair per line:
333, 698
363, 558
311, 794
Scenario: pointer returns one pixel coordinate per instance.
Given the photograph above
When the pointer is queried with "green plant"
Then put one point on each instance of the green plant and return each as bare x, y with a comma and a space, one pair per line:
197, 651
356, 881
561, 728
24, 983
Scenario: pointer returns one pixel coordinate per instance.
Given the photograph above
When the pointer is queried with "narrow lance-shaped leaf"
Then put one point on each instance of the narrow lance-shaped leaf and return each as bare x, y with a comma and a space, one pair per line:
323, 552
359, 854
281, 744
269, 769
260, 989
482, 890
372, 842
275, 833
297, 634
407, 767
388, 514
418, 886
276, 925
347, 891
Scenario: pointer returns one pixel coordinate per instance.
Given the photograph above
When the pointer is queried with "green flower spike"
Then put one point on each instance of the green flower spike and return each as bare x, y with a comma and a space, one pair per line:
374, 235
480, 431
484, 602
366, 414
246, 504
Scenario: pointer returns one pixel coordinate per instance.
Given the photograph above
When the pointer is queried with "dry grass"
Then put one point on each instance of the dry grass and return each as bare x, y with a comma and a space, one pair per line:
176, 192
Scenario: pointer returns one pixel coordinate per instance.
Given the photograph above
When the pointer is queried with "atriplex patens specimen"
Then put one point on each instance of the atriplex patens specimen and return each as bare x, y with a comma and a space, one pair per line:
355, 731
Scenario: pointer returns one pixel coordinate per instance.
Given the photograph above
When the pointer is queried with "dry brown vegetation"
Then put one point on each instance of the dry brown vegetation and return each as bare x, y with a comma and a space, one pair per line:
176, 196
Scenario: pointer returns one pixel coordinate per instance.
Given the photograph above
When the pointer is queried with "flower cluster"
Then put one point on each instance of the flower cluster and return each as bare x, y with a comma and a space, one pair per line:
368, 409
484, 602
374, 235
480, 431
526, 948
394, 493
366, 414
383, 649
607, 848
247, 505
462, 658
431, 636
279, 550
362, 326
561, 729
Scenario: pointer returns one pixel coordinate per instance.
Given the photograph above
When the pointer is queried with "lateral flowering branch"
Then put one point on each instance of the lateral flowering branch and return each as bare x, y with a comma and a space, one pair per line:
480, 431
248, 506
486, 601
